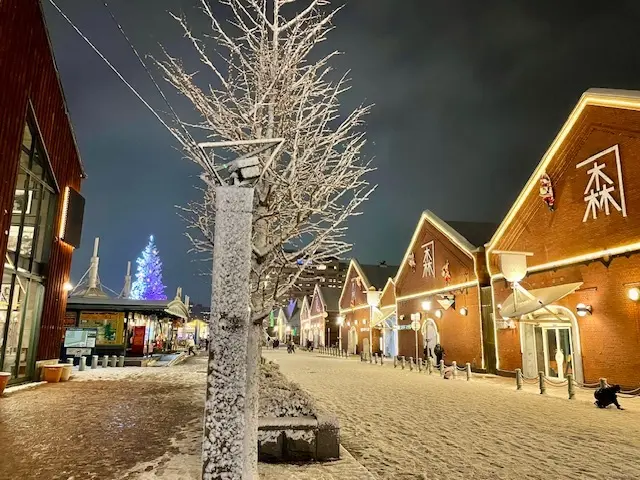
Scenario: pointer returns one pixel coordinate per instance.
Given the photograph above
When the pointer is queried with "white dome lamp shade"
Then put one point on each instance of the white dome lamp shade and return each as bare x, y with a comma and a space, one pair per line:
513, 265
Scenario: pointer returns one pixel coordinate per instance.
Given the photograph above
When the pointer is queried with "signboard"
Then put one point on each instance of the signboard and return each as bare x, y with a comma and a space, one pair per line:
78, 352
110, 326
403, 327
137, 342
415, 325
80, 338
69, 321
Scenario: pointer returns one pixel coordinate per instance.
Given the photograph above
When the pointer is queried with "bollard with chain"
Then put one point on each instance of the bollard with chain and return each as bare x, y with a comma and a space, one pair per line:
121, 361
442, 368
468, 371
94, 361
402, 362
370, 360
429, 366
83, 363
518, 379
411, 364
455, 368
572, 387
419, 362
105, 361
395, 361
603, 383
543, 387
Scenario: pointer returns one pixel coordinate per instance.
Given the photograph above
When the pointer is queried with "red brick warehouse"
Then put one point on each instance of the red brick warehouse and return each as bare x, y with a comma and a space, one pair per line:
439, 288
578, 221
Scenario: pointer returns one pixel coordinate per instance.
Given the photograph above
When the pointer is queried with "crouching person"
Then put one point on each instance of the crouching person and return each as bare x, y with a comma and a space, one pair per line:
607, 396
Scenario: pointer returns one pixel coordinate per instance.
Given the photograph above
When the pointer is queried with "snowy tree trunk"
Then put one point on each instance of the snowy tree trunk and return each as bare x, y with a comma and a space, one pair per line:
229, 449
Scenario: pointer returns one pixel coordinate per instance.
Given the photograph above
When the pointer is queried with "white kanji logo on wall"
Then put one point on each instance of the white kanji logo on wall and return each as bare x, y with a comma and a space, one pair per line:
602, 190
428, 268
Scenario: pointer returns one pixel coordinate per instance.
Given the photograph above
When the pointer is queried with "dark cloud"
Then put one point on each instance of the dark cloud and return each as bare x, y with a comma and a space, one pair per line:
468, 95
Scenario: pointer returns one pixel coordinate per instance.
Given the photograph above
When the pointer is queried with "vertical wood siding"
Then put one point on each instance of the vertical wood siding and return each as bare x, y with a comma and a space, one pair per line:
28, 74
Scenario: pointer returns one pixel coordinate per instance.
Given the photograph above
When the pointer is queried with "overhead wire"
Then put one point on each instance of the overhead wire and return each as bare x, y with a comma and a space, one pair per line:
129, 86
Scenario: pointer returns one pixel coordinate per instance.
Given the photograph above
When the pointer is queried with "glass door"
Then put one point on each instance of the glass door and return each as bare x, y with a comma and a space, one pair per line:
554, 351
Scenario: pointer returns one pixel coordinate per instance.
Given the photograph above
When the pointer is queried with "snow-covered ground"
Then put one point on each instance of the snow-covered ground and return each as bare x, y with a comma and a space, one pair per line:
405, 425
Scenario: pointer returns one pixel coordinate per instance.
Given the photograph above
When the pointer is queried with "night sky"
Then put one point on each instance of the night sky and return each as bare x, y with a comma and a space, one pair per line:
468, 95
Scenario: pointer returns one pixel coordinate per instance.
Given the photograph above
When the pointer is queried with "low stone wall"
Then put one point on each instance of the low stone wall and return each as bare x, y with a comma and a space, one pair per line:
283, 439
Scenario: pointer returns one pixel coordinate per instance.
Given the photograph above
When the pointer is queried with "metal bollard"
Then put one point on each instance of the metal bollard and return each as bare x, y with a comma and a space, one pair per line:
121, 361
94, 362
114, 360
395, 361
105, 361
603, 383
518, 379
381, 359
83, 364
455, 369
411, 364
442, 368
429, 366
572, 387
419, 362
468, 371
402, 361
370, 359
543, 387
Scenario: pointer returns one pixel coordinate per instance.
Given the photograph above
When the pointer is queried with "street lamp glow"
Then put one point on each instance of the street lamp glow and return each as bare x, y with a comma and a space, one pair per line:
340, 320
426, 305
67, 287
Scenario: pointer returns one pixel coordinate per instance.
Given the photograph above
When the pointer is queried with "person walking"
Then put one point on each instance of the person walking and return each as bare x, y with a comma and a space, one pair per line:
191, 345
439, 353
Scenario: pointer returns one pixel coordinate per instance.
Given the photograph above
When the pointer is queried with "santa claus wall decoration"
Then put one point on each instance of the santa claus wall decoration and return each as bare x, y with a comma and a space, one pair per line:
412, 261
446, 273
546, 192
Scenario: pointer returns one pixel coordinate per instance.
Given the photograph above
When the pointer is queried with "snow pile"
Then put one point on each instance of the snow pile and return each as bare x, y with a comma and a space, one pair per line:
281, 398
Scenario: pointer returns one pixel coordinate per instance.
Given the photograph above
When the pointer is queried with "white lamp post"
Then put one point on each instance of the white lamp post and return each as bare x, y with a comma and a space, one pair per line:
373, 299
415, 326
340, 322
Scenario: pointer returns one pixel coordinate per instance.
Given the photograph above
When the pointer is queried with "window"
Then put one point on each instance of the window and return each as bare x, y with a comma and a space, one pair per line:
34, 207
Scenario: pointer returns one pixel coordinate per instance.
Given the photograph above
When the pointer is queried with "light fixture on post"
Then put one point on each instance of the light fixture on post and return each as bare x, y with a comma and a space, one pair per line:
415, 326
634, 294
426, 305
464, 311
373, 300
583, 310
340, 322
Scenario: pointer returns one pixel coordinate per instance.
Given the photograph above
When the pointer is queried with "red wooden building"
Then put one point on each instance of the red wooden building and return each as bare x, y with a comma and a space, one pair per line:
440, 288
571, 305
40, 209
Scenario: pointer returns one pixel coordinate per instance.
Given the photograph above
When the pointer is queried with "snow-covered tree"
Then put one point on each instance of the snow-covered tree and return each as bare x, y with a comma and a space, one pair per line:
264, 80
266, 83
148, 283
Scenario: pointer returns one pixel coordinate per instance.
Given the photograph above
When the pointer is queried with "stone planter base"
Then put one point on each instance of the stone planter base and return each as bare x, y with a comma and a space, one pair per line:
293, 439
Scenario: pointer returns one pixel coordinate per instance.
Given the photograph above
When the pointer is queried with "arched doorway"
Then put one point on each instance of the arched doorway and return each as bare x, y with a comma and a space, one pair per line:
550, 341
390, 336
430, 337
352, 344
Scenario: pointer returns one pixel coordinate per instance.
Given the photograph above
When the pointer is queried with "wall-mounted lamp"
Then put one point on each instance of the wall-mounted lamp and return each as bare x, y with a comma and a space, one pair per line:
464, 311
364, 322
634, 294
583, 310
499, 306
340, 320
426, 305
348, 324
438, 313
67, 287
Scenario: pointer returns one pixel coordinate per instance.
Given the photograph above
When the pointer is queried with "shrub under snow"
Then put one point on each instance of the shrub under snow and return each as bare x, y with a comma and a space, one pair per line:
281, 398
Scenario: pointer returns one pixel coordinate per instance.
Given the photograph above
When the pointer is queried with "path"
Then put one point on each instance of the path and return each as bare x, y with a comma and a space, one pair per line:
404, 425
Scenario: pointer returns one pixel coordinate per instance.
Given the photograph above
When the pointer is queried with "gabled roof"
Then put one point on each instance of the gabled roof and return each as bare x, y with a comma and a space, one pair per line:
622, 99
468, 236
377, 275
372, 275
305, 307
331, 298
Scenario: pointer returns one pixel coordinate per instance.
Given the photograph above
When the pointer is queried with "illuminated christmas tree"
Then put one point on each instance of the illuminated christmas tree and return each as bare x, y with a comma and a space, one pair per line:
148, 283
